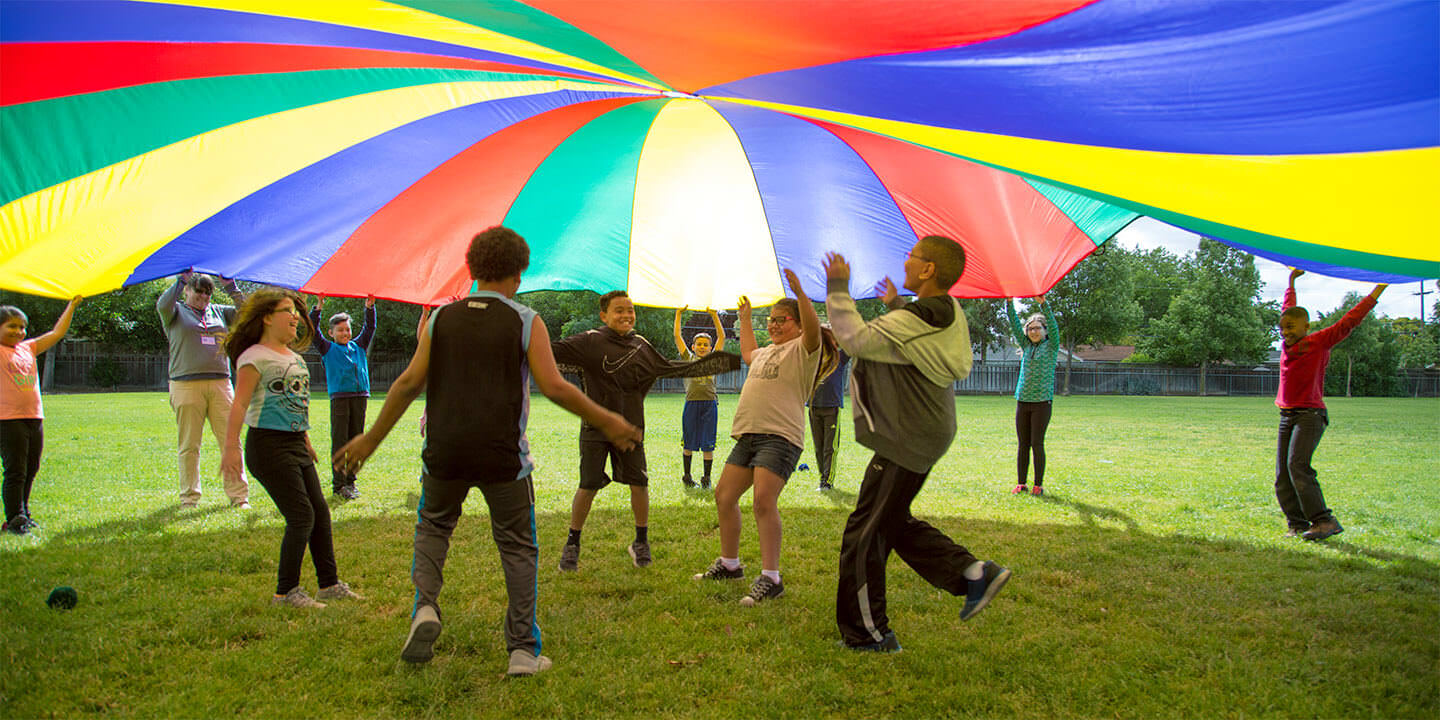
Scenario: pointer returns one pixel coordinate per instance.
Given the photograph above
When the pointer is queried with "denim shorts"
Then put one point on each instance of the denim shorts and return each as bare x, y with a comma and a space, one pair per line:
772, 452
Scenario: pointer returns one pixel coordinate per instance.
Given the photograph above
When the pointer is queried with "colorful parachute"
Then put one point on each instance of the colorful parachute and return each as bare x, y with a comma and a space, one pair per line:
689, 150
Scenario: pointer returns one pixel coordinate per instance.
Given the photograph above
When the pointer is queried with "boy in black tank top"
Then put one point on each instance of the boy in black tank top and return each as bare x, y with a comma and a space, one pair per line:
477, 405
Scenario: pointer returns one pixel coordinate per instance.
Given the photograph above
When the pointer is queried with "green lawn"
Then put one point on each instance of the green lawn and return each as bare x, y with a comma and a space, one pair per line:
1151, 581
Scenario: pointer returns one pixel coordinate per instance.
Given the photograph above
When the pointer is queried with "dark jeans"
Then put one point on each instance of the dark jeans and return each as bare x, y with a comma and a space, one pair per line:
21, 442
511, 504
278, 459
347, 420
1296, 485
882, 522
824, 430
1031, 421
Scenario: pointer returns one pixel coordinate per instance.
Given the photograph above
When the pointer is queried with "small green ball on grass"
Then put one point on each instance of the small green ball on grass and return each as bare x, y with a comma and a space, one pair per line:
62, 598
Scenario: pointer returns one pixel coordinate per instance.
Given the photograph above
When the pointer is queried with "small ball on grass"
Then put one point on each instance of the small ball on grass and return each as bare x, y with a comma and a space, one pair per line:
62, 598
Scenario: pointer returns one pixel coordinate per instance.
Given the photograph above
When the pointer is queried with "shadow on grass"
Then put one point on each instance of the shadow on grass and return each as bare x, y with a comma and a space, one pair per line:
1213, 627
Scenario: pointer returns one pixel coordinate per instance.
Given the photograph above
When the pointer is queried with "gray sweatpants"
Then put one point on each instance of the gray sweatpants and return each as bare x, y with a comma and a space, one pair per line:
512, 524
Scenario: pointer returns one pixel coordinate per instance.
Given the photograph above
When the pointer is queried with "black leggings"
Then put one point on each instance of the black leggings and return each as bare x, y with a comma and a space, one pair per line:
278, 459
1031, 420
21, 442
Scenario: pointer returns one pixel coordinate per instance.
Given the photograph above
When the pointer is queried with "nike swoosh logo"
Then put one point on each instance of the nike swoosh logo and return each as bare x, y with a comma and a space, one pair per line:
611, 367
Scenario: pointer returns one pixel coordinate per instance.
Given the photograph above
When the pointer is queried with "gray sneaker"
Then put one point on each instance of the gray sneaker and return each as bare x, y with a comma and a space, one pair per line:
524, 663
338, 591
718, 571
420, 643
296, 598
640, 553
761, 590
570, 558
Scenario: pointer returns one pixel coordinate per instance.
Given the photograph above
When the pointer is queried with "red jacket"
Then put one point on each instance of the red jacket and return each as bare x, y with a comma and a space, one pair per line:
1302, 365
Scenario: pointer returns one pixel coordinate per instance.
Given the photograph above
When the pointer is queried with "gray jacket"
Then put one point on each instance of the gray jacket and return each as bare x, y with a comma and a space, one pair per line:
906, 362
197, 339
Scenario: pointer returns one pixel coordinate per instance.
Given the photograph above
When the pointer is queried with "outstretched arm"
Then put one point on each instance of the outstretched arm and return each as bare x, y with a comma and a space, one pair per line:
547, 376
680, 339
809, 320
368, 332
322, 345
747, 330
719, 329
853, 333
62, 326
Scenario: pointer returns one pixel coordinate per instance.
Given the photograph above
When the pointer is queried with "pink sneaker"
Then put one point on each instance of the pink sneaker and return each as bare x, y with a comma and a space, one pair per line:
1038, 490
1019, 490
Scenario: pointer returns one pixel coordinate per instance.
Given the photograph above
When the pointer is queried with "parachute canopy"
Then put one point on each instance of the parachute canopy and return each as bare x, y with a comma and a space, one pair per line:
688, 151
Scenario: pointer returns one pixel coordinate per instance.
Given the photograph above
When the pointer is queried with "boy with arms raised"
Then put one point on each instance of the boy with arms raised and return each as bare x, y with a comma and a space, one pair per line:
1303, 417
477, 357
347, 379
906, 362
617, 367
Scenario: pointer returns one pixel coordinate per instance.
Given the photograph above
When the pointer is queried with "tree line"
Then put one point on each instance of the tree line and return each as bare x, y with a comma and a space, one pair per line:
1194, 310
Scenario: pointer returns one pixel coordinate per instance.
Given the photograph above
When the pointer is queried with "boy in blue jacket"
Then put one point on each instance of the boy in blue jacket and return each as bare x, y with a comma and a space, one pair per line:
347, 378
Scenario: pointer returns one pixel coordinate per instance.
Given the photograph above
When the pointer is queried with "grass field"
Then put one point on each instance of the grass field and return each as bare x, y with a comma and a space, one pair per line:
1151, 581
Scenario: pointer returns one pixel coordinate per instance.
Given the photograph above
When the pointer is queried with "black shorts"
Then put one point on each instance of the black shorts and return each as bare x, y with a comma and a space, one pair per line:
628, 466
772, 452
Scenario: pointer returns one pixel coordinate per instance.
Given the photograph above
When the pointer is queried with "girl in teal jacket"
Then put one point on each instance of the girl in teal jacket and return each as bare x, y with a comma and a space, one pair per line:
1039, 341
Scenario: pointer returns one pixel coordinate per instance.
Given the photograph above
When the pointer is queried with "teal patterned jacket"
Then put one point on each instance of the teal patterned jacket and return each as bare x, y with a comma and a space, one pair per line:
1037, 360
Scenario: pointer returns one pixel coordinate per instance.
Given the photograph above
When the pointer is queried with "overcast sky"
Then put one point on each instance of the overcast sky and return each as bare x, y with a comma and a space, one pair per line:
1318, 293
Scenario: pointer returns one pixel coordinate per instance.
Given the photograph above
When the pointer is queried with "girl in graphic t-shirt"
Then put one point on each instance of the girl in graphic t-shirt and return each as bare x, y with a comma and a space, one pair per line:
272, 398
769, 430
22, 434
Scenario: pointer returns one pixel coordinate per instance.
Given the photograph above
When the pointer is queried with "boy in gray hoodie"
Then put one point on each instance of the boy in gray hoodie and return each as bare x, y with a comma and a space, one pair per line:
906, 363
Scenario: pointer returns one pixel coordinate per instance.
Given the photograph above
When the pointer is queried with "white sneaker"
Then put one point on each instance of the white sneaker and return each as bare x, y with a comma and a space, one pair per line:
296, 598
420, 643
242, 505
524, 663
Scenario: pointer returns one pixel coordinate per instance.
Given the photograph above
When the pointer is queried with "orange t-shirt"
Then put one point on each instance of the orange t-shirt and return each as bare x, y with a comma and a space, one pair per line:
19, 383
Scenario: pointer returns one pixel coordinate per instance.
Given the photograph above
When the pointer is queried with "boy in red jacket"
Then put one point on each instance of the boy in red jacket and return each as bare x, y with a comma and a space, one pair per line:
1303, 418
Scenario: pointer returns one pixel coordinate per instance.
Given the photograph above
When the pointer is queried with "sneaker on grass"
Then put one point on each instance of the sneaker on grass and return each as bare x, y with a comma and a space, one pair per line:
640, 554
338, 591
982, 591
348, 492
718, 571
570, 558
296, 598
524, 663
887, 643
420, 643
761, 590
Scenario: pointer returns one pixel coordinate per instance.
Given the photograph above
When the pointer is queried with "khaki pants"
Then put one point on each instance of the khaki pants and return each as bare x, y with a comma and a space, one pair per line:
193, 402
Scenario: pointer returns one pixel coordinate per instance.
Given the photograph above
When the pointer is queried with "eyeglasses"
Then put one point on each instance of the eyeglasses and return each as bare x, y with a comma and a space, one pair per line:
777, 319
921, 258
290, 310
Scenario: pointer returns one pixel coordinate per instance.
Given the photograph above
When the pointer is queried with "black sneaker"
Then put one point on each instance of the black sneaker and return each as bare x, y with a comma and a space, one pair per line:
348, 492
570, 558
15, 526
718, 571
689, 481
825, 485
30, 523
704, 482
1322, 530
640, 553
887, 644
982, 591
761, 590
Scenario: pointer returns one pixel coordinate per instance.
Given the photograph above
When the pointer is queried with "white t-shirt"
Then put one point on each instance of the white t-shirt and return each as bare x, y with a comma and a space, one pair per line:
282, 398
776, 389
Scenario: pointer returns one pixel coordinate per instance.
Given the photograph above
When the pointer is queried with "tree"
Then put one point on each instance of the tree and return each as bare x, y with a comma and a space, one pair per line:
1365, 363
1216, 317
1417, 347
1159, 276
988, 324
1094, 303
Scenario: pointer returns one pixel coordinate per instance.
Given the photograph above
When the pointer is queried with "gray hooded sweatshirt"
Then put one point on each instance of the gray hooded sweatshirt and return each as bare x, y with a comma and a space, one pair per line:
906, 362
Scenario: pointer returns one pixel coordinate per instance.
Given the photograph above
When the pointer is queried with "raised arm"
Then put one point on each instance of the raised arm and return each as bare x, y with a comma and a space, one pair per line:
620, 433
1015, 328
368, 333
680, 339
719, 329
1051, 326
168, 300
233, 291
747, 330
62, 326
809, 320
322, 345
855, 335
